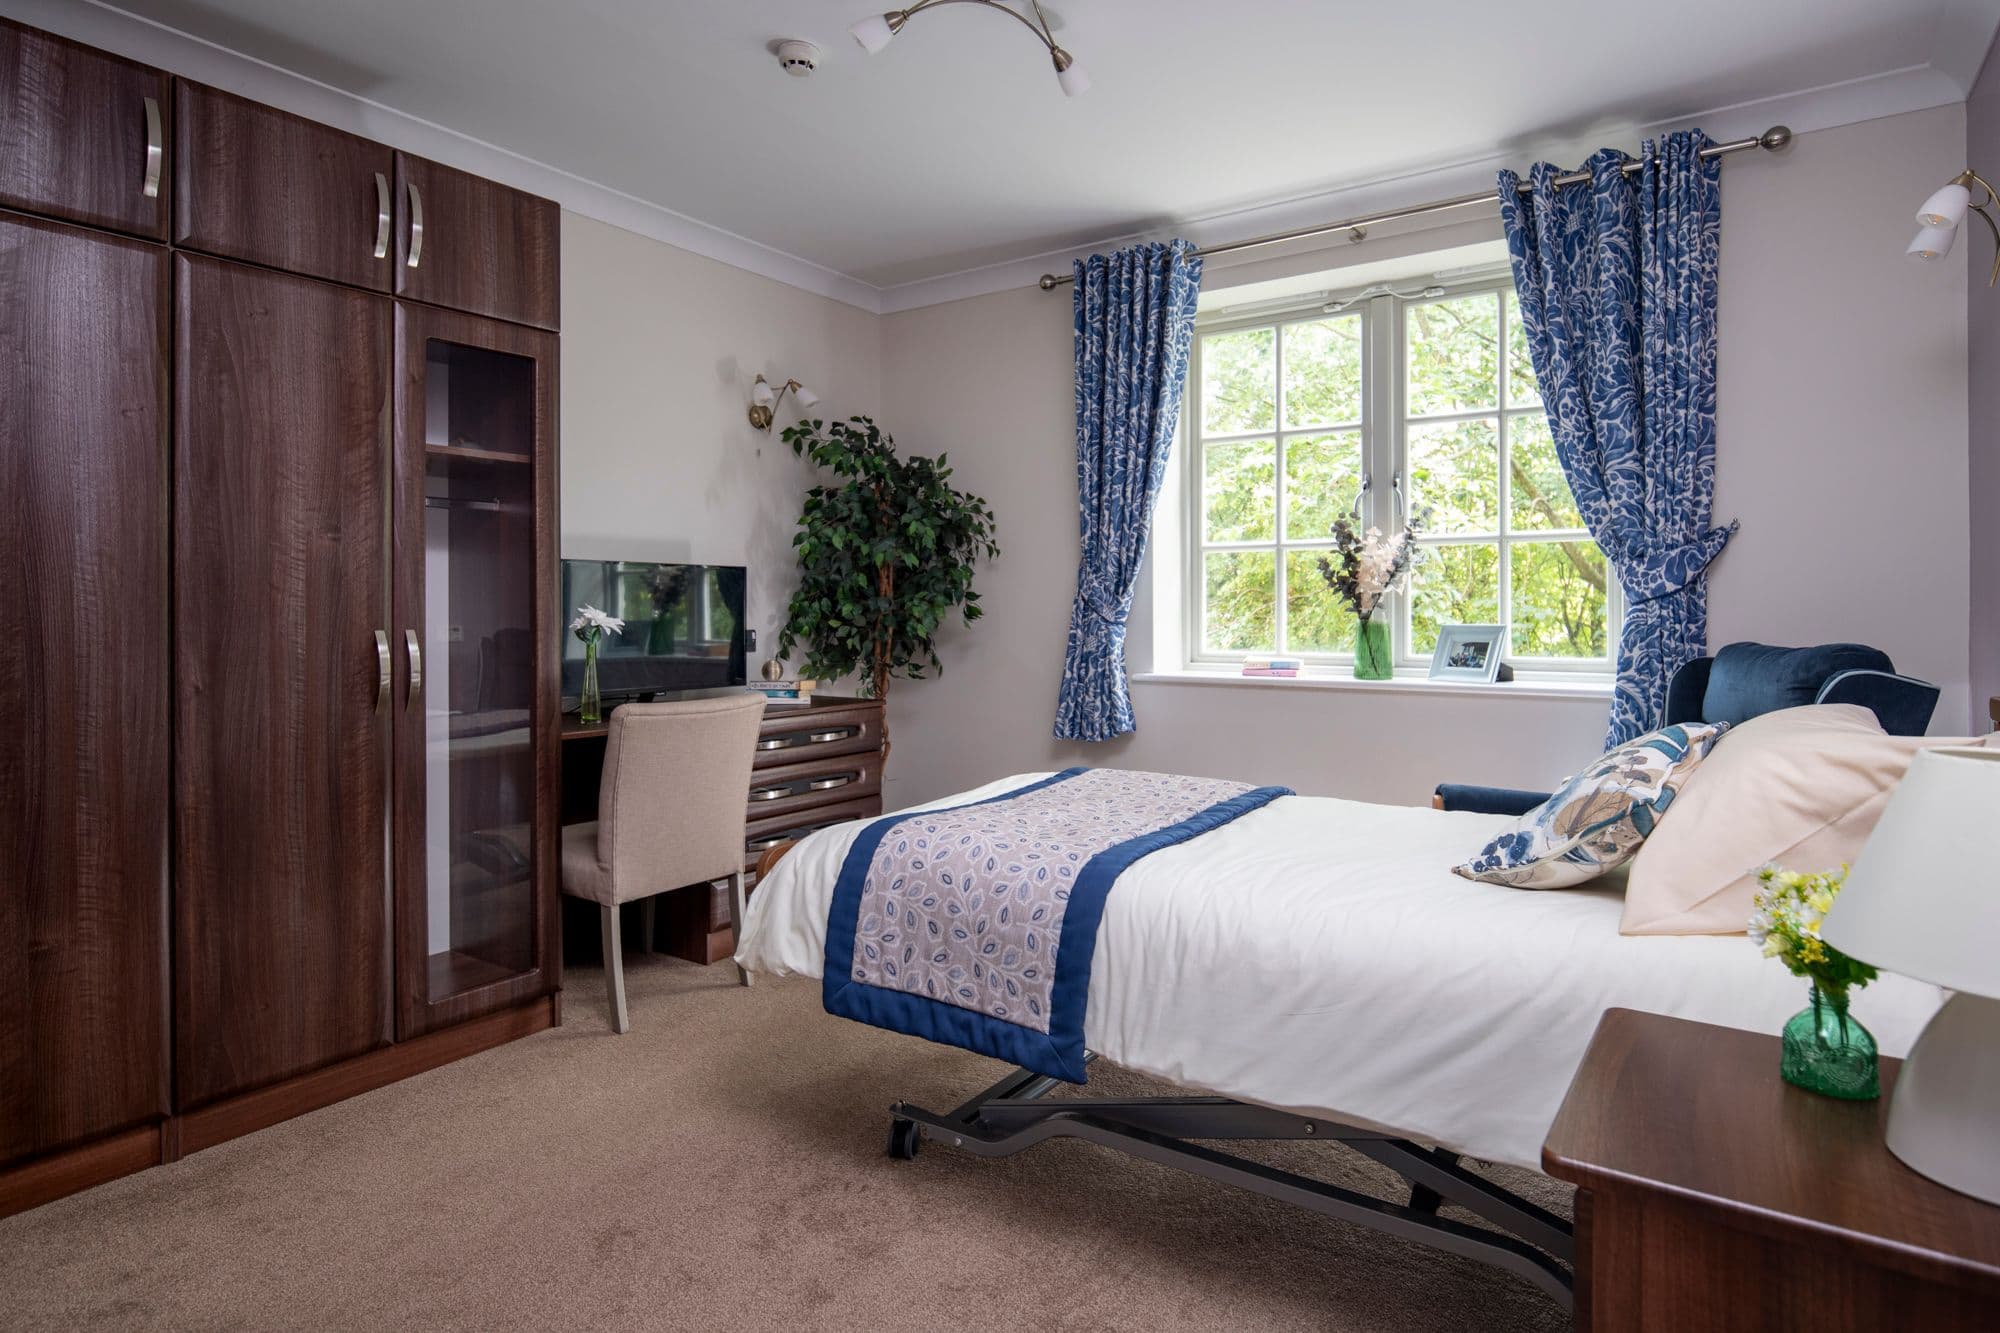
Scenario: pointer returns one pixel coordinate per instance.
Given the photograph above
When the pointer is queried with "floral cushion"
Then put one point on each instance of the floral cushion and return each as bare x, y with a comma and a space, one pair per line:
1599, 817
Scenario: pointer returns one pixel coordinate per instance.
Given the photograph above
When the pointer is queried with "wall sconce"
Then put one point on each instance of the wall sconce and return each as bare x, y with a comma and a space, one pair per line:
1938, 220
764, 400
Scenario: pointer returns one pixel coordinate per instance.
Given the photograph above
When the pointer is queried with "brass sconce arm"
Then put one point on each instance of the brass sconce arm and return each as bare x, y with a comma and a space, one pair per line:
764, 400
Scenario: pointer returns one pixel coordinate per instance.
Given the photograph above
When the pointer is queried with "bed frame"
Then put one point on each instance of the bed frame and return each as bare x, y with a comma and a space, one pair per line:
1015, 1114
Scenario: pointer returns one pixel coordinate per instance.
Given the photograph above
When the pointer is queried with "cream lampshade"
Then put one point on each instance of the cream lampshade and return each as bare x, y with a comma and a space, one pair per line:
1923, 899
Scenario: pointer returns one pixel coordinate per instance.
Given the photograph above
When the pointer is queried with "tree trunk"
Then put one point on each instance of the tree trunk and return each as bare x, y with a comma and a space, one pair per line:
885, 583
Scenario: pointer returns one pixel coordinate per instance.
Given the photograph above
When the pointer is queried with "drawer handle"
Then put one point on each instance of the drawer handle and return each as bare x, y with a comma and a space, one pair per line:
416, 225
777, 743
156, 149
381, 216
770, 793
828, 784
766, 844
381, 670
837, 734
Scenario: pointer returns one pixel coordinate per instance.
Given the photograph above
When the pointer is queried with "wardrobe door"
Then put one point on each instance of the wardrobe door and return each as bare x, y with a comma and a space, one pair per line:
82, 134
477, 632
471, 244
281, 947
252, 182
83, 672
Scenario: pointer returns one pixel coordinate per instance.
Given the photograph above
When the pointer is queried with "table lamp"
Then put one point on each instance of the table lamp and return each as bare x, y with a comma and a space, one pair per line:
1923, 899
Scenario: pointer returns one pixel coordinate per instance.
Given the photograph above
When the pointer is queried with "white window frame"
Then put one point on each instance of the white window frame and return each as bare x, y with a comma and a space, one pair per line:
1384, 427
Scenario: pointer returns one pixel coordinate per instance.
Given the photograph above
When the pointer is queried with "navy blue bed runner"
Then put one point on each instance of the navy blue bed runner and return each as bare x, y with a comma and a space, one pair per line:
975, 925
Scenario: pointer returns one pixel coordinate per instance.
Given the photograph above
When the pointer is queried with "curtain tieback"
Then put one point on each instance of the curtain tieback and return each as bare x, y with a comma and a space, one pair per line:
1662, 571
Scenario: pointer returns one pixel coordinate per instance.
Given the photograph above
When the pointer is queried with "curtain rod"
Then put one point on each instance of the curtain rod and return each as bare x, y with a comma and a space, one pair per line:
1771, 140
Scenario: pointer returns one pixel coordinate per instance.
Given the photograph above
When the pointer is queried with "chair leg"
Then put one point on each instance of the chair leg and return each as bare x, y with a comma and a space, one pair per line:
614, 967
646, 919
737, 907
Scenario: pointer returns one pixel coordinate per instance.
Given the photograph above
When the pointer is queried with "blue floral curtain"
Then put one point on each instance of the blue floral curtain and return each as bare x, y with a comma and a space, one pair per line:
1617, 287
1134, 325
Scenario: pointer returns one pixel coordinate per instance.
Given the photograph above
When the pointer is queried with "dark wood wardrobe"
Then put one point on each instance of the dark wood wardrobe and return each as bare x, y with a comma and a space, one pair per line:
279, 649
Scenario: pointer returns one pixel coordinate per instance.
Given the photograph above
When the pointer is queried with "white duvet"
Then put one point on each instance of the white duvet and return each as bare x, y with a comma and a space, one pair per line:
1319, 956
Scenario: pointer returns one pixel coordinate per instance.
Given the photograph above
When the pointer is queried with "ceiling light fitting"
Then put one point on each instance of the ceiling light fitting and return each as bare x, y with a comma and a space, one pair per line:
1938, 220
764, 400
876, 31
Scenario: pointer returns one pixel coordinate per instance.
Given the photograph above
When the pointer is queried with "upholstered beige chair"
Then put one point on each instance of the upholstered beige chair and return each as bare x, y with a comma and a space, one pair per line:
670, 813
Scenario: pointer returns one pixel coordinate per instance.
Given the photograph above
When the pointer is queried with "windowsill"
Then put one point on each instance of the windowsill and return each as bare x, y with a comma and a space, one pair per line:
1525, 686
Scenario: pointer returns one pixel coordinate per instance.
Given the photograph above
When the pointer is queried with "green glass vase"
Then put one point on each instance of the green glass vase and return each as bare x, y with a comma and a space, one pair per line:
1827, 1051
590, 708
1371, 651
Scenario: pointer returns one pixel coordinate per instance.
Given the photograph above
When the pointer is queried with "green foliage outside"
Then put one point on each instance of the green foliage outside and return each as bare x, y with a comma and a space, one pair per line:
1557, 589
886, 552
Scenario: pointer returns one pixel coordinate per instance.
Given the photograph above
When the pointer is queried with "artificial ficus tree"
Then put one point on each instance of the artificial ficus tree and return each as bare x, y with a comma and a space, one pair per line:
886, 552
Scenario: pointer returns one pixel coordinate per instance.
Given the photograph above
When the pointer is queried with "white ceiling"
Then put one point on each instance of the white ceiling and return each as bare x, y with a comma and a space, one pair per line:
953, 149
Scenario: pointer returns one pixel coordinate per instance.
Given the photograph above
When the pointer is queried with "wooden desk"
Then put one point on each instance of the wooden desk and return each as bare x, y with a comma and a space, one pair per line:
1711, 1194
816, 764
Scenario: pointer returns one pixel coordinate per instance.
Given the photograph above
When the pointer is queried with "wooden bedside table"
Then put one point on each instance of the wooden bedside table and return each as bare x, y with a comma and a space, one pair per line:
1711, 1194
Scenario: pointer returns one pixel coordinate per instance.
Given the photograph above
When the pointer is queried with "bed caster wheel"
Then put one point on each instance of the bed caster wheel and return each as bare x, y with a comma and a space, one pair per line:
905, 1137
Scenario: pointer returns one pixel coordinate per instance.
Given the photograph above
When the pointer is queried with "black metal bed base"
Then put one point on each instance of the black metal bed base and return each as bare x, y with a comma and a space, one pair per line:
1010, 1116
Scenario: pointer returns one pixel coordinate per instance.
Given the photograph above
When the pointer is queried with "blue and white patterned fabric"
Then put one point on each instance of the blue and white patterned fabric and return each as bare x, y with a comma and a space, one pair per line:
1617, 287
1134, 315
1598, 819
976, 925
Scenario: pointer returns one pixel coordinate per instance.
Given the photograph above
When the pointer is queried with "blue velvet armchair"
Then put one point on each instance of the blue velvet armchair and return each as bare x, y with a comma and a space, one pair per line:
1745, 679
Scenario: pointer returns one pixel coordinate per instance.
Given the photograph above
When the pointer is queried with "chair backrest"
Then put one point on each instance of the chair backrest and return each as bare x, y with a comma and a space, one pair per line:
673, 802
1744, 680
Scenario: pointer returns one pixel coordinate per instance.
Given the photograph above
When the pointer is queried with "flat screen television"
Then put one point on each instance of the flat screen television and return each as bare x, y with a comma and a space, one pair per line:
684, 629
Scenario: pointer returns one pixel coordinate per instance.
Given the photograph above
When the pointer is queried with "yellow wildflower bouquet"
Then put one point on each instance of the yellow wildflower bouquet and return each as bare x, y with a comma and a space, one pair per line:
1785, 920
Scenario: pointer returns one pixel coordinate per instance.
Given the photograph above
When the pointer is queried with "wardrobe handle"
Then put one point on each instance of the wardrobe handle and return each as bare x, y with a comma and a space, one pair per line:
381, 216
416, 225
381, 669
416, 653
156, 150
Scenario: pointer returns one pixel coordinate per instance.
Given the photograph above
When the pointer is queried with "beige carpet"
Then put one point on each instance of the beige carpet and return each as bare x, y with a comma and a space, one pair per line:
719, 1167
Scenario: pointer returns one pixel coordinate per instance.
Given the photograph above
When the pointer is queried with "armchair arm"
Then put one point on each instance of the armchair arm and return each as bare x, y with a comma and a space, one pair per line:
1486, 800
1902, 704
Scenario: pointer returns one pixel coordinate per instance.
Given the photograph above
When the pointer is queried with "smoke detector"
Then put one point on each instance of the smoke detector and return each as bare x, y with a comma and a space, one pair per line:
797, 58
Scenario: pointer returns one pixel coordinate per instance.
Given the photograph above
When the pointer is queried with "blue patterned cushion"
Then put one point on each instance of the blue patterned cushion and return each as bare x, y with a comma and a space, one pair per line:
1598, 818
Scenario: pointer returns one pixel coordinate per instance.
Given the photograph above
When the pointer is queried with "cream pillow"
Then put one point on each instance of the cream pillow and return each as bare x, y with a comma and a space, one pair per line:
1801, 786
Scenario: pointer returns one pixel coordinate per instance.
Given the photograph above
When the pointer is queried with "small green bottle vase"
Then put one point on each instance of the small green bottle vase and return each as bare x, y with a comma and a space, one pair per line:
1826, 1051
1371, 651
591, 707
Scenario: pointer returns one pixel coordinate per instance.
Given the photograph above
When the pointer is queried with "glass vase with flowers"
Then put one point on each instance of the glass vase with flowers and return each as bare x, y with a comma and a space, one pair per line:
1362, 569
1824, 1049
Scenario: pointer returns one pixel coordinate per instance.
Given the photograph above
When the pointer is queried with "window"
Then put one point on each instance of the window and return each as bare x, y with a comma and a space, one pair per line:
1380, 408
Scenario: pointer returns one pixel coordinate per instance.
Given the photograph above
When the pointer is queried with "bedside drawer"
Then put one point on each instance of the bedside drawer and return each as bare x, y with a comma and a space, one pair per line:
796, 735
814, 784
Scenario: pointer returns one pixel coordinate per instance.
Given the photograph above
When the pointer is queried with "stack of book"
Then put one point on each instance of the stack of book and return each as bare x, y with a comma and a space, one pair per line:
1272, 666
785, 693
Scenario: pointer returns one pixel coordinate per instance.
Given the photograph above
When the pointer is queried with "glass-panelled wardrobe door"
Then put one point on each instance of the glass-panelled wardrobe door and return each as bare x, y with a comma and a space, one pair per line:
479, 666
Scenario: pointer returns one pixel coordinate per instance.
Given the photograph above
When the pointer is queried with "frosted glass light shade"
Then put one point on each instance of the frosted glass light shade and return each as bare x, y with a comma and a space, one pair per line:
1933, 242
1946, 208
806, 397
760, 393
1923, 898
1075, 83
873, 32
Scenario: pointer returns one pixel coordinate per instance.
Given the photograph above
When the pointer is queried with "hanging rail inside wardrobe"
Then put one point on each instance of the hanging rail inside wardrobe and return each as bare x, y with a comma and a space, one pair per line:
1771, 140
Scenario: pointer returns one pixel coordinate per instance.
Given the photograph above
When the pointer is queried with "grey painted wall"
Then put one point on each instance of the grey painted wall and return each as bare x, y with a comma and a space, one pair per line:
1982, 150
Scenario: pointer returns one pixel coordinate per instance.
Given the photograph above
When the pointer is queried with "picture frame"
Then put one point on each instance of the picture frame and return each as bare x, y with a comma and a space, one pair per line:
1471, 653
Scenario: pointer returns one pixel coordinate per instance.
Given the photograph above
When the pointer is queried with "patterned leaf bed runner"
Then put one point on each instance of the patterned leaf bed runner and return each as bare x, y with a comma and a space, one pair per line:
975, 925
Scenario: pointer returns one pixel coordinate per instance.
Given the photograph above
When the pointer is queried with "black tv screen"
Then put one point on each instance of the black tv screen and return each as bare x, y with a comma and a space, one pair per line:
683, 628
